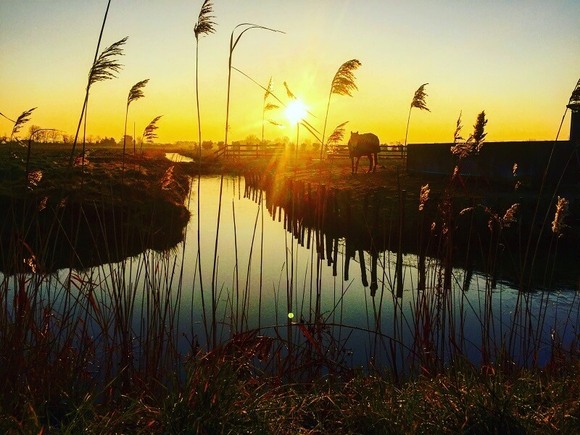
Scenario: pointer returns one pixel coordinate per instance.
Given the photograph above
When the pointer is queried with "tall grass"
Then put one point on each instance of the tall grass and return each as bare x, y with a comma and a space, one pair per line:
418, 102
343, 83
203, 26
234, 40
135, 93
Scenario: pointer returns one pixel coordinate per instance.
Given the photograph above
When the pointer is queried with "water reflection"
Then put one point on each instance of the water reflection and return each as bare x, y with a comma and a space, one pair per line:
178, 158
327, 295
272, 262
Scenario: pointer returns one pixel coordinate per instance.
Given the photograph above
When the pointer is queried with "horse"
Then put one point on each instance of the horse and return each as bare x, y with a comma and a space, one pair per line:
366, 144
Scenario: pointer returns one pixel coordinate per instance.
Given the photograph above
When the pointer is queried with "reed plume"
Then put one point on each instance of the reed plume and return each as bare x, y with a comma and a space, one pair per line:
135, 93
20, 121
575, 96
343, 83
561, 213
457, 138
419, 103
268, 91
289, 93
107, 66
149, 133
267, 106
338, 133
424, 196
204, 25
474, 142
419, 98
479, 134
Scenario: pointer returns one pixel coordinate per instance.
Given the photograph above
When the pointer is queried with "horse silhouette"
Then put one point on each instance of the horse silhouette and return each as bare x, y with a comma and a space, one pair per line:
366, 144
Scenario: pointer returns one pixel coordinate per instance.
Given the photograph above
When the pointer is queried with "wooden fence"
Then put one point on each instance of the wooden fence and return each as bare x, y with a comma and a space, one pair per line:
333, 152
387, 152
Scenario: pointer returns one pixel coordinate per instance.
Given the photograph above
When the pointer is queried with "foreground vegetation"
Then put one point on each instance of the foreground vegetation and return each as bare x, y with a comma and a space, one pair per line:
221, 394
71, 361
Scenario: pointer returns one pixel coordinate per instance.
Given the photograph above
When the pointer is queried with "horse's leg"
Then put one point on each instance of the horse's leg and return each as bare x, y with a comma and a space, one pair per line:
352, 165
376, 157
356, 166
370, 156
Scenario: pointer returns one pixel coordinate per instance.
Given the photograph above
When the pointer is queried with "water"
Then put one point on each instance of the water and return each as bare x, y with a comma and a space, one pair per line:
264, 275
257, 276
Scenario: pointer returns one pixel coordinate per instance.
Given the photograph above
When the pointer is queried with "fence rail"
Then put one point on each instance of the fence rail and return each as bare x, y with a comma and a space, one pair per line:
333, 152
387, 152
249, 151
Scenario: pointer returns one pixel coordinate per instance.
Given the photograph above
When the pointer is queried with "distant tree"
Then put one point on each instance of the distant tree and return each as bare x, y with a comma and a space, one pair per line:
207, 145
52, 136
37, 133
107, 141
127, 139
252, 139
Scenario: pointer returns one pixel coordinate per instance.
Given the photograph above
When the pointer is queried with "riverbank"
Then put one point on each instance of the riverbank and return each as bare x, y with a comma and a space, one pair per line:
102, 209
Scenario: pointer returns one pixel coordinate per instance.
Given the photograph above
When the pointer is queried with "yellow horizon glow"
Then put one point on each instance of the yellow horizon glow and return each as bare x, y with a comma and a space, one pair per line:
500, 57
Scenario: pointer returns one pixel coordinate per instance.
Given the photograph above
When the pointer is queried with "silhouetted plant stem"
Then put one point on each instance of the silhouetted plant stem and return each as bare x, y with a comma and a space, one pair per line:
536, 210
86, 100
135, 93
203, 26
418, 102
233, 44
342, 84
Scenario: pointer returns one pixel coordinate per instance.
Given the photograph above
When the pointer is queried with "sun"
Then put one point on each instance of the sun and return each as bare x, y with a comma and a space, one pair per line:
296, 111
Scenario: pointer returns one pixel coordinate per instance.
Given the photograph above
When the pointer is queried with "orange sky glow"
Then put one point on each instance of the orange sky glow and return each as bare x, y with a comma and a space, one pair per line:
517, 60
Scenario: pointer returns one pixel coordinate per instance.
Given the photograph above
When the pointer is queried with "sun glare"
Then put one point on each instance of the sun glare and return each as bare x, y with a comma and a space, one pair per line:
296, 111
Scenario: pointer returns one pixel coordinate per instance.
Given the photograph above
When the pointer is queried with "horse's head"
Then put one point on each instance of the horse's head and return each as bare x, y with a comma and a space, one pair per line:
353, 138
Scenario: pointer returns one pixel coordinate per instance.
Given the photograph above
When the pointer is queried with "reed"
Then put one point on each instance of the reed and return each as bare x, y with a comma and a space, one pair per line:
267, 106
343, 83
418, 102
204, 26
234, 40
135, 93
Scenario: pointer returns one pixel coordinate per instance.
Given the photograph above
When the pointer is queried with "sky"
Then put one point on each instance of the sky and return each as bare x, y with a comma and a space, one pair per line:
517, 60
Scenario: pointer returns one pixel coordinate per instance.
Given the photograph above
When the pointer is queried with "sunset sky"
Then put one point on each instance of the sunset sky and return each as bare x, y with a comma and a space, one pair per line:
517, 60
